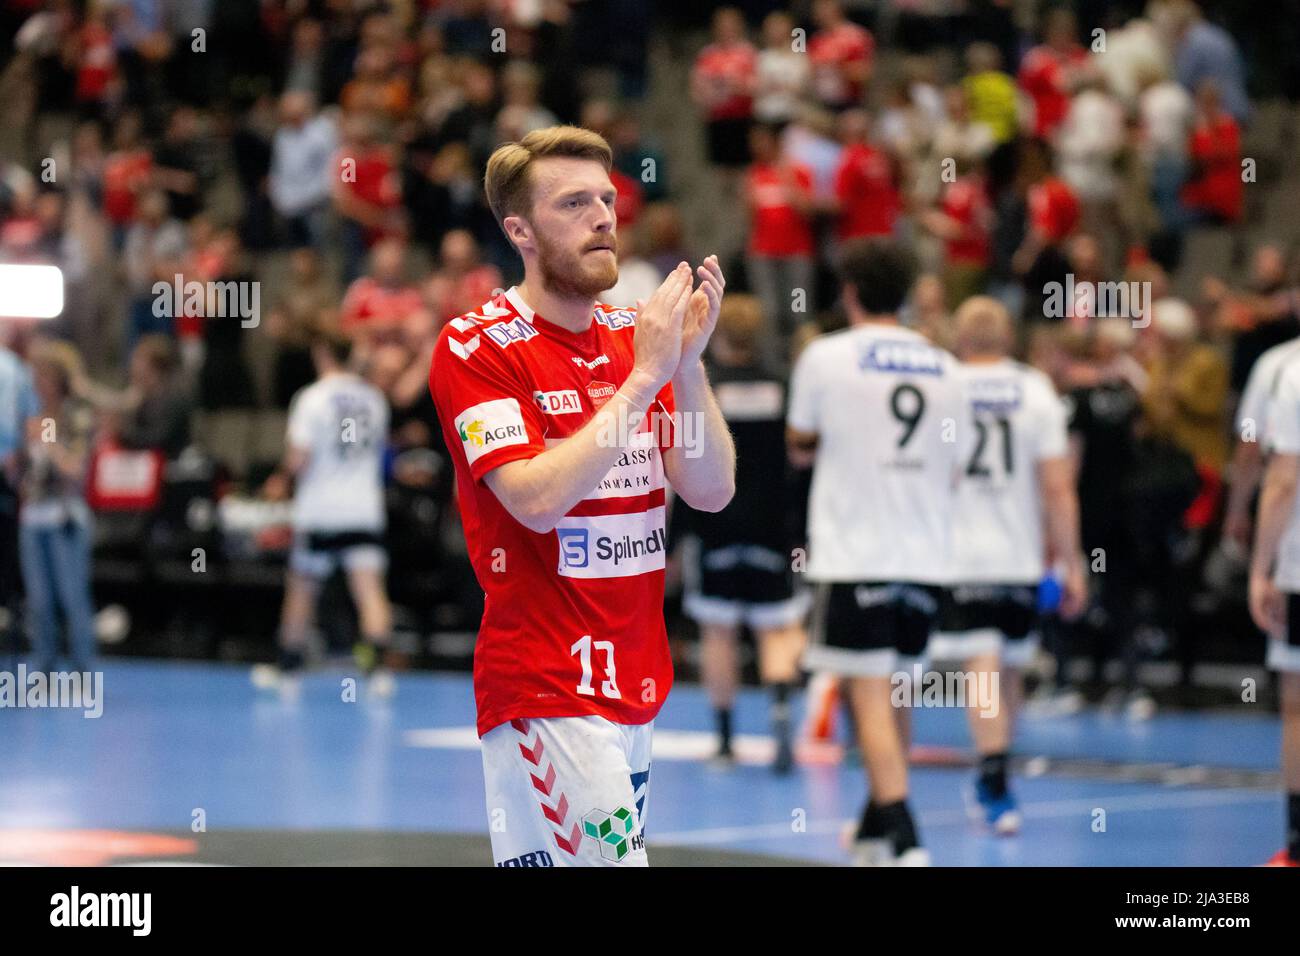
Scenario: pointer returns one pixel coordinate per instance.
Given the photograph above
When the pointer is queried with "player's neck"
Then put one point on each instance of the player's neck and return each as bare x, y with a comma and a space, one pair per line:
574, 314
875, 319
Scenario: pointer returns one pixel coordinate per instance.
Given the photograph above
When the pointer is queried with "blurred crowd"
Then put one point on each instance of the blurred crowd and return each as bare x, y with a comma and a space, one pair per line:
1027, 165
330, 153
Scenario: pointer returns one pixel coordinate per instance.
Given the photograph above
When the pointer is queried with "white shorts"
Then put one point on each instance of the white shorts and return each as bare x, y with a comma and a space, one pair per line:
769, 615
1283, 656
1014, 652
567, 791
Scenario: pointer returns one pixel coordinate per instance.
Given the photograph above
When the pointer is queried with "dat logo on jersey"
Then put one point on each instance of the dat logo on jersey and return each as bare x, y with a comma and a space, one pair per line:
616, 318
490, 425
901, 357
563, 402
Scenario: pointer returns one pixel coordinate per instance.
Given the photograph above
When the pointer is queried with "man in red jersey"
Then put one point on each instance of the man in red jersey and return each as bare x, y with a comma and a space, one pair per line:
566, 418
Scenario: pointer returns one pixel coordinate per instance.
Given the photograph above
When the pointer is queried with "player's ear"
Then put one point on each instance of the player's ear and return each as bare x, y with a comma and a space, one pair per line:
518, 231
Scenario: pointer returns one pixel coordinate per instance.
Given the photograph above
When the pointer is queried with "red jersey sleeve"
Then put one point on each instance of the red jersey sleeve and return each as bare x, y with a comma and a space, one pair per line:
485, 408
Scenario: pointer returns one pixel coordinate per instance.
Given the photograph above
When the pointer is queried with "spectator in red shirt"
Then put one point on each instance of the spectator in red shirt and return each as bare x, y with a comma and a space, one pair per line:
867, 201
367, 193
842, 54
127, 173
630, 199
462, 282
1048, 71
98, 84
377, 305
722, 85
779, 197
963, 219
1213, 193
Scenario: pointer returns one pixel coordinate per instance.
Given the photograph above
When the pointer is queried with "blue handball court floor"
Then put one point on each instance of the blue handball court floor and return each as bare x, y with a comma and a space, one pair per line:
189, 763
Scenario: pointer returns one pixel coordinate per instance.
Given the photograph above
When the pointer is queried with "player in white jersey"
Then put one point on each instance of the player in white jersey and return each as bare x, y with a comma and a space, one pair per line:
876, 409
338, 428
1252, 424
1275, 582
1016, 504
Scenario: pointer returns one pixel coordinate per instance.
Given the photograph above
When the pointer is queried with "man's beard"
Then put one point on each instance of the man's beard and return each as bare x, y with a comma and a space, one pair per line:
575, 275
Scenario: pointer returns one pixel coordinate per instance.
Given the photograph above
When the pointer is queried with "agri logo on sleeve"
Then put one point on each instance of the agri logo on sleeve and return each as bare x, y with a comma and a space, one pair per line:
490, 425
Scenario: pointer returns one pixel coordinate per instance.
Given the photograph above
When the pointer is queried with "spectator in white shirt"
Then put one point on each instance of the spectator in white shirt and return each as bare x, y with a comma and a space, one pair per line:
301, 153
783, 74
155, 248
1165, 113
1088, 146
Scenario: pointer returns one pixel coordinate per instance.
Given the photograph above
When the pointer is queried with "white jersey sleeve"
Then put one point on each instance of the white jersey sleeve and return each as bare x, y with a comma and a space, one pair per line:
1284, 412
805, 391
302, 415
1284, 434
1256, 399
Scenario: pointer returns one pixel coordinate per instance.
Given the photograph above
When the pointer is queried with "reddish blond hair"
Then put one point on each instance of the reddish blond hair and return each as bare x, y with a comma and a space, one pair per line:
509, 191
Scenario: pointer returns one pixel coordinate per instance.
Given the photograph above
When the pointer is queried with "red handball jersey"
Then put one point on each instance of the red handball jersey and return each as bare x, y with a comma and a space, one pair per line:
778, 228
1043, 75
1053, 208
574, 623
865, 187
966, 202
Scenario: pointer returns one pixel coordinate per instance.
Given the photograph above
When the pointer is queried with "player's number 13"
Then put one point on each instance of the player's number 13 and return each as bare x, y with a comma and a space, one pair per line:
583, 647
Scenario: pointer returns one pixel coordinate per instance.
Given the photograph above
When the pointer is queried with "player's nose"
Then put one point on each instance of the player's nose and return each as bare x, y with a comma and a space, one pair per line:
605, 218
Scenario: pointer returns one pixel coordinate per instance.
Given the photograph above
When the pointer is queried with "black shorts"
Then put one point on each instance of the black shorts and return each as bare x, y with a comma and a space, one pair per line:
316, 554
871, 628
988, 618
729, 142
1284, 649
1011, 609
744, 582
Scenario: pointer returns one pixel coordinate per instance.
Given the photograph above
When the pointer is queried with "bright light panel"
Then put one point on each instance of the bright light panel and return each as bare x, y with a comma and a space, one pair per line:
30, 292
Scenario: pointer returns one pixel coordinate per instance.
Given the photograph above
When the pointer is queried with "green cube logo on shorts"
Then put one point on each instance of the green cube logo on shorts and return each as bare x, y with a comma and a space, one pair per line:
611, 831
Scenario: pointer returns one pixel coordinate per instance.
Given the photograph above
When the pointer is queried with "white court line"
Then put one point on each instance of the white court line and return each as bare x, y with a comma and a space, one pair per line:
937, 819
